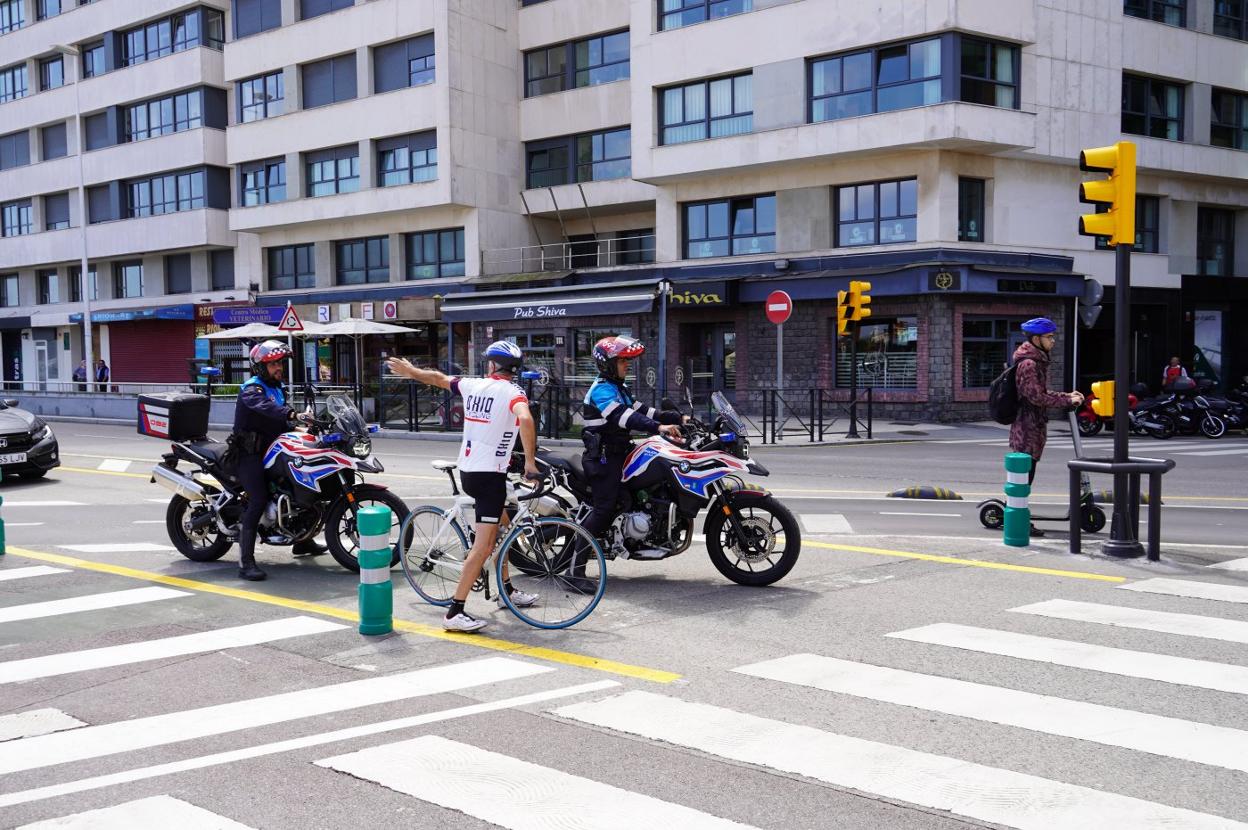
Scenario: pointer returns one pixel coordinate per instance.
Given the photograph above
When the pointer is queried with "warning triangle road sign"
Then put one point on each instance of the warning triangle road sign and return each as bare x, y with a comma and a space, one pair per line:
290, 320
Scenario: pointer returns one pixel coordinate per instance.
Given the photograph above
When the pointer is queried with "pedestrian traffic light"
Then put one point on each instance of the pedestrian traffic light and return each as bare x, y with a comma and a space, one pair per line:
859, 299
1103, 398
1117, 193
842, 313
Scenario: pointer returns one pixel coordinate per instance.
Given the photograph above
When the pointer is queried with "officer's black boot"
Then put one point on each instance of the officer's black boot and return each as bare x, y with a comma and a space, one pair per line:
309, 547
247, 567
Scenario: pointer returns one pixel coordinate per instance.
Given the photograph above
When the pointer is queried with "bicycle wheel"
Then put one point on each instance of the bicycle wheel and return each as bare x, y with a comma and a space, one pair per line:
433, 555
564, 567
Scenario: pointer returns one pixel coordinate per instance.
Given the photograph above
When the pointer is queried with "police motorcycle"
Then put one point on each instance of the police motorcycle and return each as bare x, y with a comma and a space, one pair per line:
315, 483
752, 538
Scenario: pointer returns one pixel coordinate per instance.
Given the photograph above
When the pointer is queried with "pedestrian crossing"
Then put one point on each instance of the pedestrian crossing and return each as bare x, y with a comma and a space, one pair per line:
509, 784
1197, 446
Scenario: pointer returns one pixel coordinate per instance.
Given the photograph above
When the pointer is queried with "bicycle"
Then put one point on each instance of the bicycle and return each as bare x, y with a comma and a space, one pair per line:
550, 556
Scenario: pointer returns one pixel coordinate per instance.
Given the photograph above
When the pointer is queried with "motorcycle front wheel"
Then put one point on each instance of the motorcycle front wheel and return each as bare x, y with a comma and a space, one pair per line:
1211, 426
342, 536
1089, 425
775, 540
206, 544
1165, 427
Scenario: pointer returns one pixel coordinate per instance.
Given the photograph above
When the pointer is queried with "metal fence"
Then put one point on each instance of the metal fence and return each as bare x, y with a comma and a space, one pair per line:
605, 252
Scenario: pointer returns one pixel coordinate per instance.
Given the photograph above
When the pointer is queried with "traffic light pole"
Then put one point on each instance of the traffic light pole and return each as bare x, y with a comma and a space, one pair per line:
853, 382
1124, 539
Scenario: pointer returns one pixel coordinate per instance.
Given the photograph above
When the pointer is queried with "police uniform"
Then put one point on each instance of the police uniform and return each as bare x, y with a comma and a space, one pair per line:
260, 416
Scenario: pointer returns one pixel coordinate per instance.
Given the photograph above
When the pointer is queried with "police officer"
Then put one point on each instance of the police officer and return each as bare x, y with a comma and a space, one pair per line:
610, 414
260, 415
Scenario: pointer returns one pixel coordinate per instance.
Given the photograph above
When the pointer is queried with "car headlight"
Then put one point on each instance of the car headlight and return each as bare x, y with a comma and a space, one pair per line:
40, 431
362, 448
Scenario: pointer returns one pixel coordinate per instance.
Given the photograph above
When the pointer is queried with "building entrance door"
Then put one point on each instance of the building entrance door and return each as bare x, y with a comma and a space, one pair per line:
712, 361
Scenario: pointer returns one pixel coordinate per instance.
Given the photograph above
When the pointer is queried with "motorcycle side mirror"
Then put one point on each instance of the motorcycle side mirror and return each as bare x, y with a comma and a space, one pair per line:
689, 398
668, 404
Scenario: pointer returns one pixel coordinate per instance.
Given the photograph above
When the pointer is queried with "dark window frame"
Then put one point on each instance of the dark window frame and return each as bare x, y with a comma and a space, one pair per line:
123, 272
10, 290
1237, 127
418, 57
989, 80
272, 100
47, 287
15, 150
569, 74
1150, 89
184, 284
876, 219
417, 246
12, 15
367, 256
17, 218
94, 60
875, 85
407, 159
42, 8
263, 24
1001, 335
73, 276
173, 33
14, 82
1158, 11
175, 113
331, 7
51, 223
735, 208
1147, 225
291, 267
707, 118
46, 80
682, 13
262, 182
334, 62
1231, 20
573, 168
972, 206
1206, 219
165, 193
314, 165
878, 338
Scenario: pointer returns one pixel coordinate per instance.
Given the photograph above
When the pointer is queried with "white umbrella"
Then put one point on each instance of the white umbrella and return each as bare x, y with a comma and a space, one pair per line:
355, 328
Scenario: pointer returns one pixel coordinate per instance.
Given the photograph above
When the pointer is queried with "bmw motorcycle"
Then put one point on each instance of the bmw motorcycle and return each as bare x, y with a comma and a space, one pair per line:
751, 537
314, 482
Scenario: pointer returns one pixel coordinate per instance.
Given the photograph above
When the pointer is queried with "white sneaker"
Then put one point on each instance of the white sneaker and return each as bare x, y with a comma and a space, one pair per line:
463, 621
520, 599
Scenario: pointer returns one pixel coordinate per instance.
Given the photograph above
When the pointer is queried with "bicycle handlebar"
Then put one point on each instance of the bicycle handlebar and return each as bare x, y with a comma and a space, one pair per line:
540, 490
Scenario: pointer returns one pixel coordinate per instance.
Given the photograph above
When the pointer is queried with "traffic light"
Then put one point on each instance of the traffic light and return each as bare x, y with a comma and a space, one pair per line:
859, 299
1103, 395
1117, 192
842, 313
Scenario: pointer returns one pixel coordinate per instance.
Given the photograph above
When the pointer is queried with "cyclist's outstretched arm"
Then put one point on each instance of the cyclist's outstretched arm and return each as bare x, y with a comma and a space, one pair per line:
432, 377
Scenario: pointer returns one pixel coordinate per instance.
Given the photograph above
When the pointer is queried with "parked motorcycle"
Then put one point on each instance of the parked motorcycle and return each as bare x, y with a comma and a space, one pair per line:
751, 537
1089, 423
314, 480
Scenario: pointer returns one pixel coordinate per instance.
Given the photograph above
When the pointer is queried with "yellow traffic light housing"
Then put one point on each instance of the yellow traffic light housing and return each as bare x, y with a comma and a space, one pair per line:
1117, 193
859, 299
842, 313
1103, 394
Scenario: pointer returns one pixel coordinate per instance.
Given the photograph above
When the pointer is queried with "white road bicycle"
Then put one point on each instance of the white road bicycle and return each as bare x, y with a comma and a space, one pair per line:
550, 556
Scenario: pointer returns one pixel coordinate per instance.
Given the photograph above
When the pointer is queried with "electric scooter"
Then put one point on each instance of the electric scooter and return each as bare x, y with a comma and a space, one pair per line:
1092, 517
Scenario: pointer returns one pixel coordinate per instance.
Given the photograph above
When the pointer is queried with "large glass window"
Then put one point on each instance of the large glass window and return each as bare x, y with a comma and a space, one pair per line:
549, 162
988, 343
128, 279
13, 83
598, 157
9, 291
14, 149
674, 14
49, 8
971, 210
708, 109
1173, 12
546, 70
292, 266
989, 73
12, 15
261, 97
16, 219
888, 354
731, 227
588, 62
407, 159
163, 116
329, 81
875, 80
93, 61
177, 33
1229, 126
883, 211
334, 171
406, 63
51, 73
49, 286
1215, 242
262, 182
1152, 107
1147, 224
75, 283
362, 261
434, 254
1230, 18
169, 193
254, 16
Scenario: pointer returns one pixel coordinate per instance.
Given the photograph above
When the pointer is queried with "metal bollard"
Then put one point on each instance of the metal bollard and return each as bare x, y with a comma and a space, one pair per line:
1, 529
1017, 531
376, 593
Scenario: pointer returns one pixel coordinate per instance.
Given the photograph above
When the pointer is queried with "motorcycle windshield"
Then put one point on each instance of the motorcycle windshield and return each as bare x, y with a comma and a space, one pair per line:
730, 416
347, 419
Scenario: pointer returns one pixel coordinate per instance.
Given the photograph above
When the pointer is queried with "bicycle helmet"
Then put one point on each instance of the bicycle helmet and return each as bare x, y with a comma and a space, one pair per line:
1039, 325
506, 356
610, 349
270, 351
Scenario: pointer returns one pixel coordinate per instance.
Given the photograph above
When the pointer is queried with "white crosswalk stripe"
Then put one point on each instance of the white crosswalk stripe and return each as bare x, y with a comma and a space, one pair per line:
119, 547
1188, 588
35, 722
33, 570
158, 811
90, 602
1166, 622
1231, 565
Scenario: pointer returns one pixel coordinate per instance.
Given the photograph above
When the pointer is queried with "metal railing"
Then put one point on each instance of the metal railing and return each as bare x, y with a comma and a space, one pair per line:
567, 256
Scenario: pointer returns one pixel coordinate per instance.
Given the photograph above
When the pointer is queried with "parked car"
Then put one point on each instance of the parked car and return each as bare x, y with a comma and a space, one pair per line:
27, 444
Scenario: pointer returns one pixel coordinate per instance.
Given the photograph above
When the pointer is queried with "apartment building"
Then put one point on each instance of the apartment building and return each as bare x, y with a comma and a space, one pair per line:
554, 170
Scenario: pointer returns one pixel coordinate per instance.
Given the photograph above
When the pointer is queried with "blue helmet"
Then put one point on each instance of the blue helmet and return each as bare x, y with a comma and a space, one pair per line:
1039, 325
506, 356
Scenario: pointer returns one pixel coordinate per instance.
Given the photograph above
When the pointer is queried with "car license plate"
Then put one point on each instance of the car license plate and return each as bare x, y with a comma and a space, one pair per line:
13, 458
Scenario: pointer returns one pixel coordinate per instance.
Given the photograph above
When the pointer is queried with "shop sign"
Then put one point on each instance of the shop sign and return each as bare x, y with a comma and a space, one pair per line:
944, 280
173, 312
242, 315
1027, 286
344, 311
700, 294
366, 311
390, 310
322, 314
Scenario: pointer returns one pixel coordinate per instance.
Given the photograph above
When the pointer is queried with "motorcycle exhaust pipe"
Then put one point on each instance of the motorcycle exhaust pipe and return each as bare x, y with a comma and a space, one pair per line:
184, 486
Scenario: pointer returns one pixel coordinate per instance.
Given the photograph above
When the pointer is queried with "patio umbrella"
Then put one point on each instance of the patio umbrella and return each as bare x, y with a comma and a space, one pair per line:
263, 331
357, 328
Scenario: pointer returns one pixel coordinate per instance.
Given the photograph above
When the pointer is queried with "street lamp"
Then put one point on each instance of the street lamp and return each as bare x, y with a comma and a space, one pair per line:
84, 286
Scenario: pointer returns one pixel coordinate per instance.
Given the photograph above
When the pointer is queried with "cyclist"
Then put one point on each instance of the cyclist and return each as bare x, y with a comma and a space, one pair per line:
495, 409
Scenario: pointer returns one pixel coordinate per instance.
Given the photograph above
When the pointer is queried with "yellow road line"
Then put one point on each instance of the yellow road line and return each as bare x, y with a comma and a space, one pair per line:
549, 654
103, 472
973, 563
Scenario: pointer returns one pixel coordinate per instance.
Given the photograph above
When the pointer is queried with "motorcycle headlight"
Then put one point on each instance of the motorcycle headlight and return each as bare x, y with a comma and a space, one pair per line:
362, 448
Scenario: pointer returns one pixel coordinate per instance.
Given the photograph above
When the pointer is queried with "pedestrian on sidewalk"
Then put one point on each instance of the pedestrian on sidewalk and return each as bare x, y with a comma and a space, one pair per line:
1173, 371
1030, 429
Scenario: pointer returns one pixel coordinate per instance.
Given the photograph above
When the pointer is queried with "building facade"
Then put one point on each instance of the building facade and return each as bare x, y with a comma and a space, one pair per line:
555, 170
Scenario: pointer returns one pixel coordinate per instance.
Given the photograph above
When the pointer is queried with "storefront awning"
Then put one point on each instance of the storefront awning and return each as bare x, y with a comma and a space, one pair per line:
546, 303
126, 315
9, 323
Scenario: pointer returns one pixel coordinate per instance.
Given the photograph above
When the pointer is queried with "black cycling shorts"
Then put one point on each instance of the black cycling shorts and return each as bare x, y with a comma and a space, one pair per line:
490, 492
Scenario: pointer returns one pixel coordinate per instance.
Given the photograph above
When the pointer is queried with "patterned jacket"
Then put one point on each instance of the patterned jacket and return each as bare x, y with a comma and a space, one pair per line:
611, 413
1030, 429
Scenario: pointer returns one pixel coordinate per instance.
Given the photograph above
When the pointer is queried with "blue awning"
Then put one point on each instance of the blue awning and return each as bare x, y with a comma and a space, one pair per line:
551, 303
127, 315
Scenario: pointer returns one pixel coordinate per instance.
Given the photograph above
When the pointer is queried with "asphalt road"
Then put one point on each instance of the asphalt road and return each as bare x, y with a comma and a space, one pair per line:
911, 672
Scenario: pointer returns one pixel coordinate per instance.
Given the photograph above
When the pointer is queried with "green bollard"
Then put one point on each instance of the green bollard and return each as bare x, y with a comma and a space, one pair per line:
1017, 491
376, 593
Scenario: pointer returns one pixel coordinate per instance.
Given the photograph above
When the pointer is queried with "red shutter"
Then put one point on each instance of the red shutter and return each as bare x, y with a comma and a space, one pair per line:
151, 351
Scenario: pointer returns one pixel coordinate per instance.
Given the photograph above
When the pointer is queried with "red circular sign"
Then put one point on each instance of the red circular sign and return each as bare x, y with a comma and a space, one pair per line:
779, 306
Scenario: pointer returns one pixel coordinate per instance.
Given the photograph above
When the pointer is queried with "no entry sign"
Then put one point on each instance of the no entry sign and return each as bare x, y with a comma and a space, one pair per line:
779, 307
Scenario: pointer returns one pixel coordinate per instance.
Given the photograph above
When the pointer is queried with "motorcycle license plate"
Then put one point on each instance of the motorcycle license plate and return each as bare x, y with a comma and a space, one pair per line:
13, 458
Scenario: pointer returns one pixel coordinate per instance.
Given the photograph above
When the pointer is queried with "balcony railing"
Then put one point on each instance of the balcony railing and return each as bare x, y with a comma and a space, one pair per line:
568, 256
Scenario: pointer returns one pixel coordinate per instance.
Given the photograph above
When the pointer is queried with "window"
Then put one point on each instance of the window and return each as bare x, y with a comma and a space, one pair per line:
47, 8
169, 193
1152, 107
75, 283
676, 13
98, 132
261, 97
971, 210
1147, 224
884, 211
362, 261
53, 140
1173, 12
633, 247
708, 109
599, 156
987, 346
548, 163
177, 33
1215, 242
221, 269
12, 15
9, 295
329, 81
163, 116
128, 279
56, 211
17, 219
51, 73
255, 16
14, 150
1230, 18
316, 8
407, 158
93, 60
403, 64
49, 286
1230, 120
589, 62
101, 206
293, 266
13, 83
262, 182
875, 80
888, 354
989, 73
334, 171
731, 227
178, 274
434, 254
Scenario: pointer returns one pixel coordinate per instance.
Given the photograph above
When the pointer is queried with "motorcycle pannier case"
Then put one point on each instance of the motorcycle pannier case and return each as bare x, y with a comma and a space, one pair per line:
177, 416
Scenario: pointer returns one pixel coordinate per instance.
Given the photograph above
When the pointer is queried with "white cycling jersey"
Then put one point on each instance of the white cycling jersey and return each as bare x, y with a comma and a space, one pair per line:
490, 424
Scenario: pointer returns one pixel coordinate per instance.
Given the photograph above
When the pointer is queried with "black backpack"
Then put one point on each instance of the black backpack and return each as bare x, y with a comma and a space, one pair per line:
1003, 396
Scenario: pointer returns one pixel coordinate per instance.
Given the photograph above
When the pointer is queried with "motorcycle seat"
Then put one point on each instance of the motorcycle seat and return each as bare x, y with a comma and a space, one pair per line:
210, 450
443, 466
569, 462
